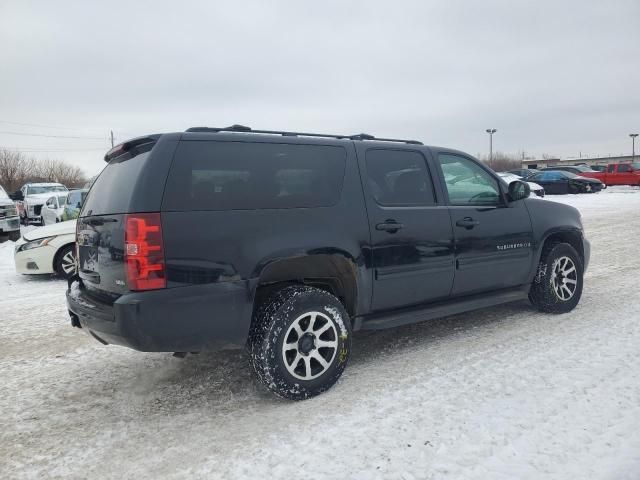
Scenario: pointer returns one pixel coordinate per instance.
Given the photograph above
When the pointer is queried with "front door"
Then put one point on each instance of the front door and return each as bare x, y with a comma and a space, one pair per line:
411, 235
493, 239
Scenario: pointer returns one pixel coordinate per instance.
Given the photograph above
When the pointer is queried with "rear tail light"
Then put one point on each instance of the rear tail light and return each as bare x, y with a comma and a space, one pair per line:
144, 251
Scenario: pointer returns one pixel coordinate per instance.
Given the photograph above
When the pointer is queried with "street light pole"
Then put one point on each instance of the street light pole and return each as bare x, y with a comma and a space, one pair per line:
491, 131
633, 146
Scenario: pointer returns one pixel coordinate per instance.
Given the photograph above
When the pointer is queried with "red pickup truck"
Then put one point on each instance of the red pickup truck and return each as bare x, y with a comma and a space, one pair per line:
618, 174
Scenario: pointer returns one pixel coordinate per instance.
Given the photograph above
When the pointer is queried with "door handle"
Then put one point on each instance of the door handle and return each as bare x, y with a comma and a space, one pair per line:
390, 226
467, 222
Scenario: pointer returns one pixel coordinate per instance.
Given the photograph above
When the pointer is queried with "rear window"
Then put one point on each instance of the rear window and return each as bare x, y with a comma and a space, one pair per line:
239, 176
112, 190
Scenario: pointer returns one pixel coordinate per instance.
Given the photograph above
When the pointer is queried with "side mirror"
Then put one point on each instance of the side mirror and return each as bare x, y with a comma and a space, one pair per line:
519, 190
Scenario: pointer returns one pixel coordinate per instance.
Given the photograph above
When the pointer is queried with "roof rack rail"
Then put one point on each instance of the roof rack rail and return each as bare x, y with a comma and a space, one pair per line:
245, 129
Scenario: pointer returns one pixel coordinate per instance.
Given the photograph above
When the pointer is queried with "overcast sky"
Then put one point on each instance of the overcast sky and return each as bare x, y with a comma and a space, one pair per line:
555, 77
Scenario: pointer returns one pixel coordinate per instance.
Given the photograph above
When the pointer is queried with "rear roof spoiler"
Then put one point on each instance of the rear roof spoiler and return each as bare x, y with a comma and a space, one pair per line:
129, 145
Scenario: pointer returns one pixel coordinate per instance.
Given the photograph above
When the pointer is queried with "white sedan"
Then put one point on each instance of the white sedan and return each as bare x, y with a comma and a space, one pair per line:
49, 249
510, 177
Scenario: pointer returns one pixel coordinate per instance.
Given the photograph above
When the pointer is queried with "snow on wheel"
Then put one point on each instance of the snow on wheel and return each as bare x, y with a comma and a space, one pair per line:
557, 287
300, 342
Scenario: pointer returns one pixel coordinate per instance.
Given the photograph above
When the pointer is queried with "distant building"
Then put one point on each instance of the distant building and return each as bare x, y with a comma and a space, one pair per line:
551, 162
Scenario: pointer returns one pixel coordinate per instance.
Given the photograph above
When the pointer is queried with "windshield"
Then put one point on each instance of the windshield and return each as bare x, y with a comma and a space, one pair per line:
582, 168
34, 190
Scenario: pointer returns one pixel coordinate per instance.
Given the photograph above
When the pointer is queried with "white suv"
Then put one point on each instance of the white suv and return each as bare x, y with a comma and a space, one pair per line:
33, 196
9, 220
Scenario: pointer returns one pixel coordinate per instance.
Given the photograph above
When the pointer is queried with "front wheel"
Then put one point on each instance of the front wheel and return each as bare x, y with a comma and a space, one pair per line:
65, 263
557, 287
300, 342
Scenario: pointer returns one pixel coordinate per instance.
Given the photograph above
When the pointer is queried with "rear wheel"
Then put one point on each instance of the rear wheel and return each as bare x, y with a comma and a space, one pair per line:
65, 263
557, 287
300, 342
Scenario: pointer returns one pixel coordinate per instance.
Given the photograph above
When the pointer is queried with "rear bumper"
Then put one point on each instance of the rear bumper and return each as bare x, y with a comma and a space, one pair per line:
183, 319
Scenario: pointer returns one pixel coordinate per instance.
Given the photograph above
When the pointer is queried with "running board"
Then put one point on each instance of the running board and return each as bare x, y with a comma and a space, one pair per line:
406, 316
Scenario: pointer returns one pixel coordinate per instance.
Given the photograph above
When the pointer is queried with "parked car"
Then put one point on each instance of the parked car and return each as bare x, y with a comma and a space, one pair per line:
47, 250
31, 198
580, 170
74, 202
620, 174
9, 219
561, 182
288, 243
53, 209
524, 172
510, 177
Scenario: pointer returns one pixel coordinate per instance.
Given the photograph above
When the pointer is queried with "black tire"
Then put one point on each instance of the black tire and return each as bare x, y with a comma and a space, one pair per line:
14, 236
273, 325
547, 290
61, 262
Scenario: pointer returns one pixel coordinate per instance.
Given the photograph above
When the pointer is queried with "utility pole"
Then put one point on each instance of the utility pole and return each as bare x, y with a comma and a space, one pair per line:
111, 138
491, 131
633, 146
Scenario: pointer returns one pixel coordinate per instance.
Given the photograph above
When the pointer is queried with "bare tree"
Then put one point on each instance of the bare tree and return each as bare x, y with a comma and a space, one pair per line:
502, 161
16, 169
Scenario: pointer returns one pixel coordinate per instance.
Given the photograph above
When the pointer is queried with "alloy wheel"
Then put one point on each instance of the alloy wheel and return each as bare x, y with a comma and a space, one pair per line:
564, 278
68, 263
310, 345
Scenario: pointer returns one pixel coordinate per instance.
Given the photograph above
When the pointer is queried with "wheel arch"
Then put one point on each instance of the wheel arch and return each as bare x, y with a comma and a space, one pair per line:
335, 272
572, 236
58, 253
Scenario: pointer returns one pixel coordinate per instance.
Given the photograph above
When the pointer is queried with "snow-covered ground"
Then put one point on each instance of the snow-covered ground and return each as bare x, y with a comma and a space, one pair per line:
503, 393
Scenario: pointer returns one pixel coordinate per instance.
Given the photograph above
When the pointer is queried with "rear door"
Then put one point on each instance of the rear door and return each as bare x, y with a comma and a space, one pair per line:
493, 239
411, 236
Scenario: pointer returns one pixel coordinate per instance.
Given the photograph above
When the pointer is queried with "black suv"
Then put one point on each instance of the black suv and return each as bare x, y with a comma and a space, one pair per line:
288, 242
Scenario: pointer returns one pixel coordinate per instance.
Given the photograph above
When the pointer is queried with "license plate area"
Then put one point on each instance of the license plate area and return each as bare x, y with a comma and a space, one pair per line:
88, 259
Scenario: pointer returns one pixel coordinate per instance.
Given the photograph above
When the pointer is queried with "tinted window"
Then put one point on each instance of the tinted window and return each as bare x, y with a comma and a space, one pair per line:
548, 176
112, 190
236, 176
611, 168
624, 168
467, 182
399, 178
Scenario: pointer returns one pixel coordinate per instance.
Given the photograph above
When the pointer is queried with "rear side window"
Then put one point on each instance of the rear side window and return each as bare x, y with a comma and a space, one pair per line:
399, 178
624, 168
113, 189
240, 176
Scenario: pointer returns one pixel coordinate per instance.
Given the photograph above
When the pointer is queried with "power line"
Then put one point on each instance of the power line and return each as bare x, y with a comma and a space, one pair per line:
47, 150
51, 136
38, 125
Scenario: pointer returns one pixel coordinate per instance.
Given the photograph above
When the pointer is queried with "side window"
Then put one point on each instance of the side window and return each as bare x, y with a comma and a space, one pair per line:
624, 168
51, 202
399, 178
467, 182
239, 176
611, 168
